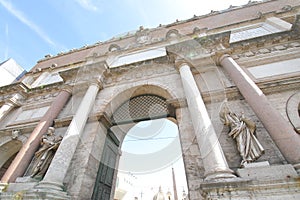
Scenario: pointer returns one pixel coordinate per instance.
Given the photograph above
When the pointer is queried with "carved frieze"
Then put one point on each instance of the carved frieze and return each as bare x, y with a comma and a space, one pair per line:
135, 72
267, 50
142, 36
114, 47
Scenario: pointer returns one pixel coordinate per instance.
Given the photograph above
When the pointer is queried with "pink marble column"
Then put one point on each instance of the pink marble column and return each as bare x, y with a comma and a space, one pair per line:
282, 133
23, 158
59, 166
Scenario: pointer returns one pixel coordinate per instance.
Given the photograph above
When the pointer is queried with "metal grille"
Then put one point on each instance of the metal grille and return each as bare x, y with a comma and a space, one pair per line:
141, 108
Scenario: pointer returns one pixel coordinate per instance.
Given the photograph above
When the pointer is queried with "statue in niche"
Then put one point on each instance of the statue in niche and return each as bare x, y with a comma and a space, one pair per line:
243, 130
45, 154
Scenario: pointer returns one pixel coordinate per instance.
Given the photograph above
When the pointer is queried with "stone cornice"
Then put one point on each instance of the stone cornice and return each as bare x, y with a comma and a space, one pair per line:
265, 55
147, 37
100, 116
84, 74
24, 128
218, 44
243, 47
18, 87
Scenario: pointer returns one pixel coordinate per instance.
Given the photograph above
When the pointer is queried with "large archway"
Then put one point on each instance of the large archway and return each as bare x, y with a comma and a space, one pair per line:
128, 108
151, 150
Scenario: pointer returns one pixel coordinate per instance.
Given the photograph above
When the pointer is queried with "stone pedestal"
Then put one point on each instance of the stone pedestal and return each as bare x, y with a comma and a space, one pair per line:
273, 172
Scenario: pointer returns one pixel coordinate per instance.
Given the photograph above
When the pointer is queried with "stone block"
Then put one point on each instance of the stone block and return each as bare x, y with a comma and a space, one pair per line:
273, 172
15, 187
257, 164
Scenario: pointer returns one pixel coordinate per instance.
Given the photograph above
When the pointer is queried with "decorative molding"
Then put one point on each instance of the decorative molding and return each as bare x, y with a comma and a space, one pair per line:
101, 117
63, 122
25, 127
177, 103
114, 47
215, 42
266, 50
172, 34
142, 36
145, 69
15, 134
14, 88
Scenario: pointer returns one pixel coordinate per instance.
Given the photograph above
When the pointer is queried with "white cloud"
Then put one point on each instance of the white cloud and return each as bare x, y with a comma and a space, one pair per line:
87, 4
20, 16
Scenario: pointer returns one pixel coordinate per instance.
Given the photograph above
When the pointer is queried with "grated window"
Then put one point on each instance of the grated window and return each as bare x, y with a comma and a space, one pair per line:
141, 108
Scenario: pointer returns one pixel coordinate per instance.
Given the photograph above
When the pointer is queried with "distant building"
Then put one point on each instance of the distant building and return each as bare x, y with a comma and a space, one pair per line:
125, 183
229, 79
159, 195
10, 72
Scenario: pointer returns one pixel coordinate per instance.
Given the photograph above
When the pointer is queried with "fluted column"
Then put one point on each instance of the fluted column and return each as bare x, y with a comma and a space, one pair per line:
58, 168
9, 105
23, 158
214, 161
282, 133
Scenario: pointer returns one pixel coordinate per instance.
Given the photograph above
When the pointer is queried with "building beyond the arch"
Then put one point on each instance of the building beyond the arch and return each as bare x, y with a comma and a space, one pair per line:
245, 59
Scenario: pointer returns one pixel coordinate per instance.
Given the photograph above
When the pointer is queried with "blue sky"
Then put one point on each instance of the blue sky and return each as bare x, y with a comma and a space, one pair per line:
31, 29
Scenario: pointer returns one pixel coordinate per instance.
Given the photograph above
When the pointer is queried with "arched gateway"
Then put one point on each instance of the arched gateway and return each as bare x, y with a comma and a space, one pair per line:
138, 107
183, 71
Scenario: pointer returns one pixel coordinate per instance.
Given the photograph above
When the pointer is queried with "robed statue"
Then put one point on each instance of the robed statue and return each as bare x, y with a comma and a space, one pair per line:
243, 130
45, 154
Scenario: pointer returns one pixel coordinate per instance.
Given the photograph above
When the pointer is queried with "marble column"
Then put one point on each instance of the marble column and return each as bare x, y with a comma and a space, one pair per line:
214, 161
23, 158
9, 105
282, 133
57, 170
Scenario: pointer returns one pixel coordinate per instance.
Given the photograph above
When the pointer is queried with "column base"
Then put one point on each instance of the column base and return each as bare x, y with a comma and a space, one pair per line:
49, 186
219, 174
33, 190
50, 190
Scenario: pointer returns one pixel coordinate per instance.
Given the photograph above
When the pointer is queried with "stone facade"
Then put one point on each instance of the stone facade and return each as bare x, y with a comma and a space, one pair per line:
245, 57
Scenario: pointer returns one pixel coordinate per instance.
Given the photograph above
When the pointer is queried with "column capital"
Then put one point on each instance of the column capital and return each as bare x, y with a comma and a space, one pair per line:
179, 62
219, 56
98, 82
15, 100
67, 88
222, 57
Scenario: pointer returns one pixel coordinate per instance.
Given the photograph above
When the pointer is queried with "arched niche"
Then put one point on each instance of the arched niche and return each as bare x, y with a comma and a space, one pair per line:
7, 152
293, 111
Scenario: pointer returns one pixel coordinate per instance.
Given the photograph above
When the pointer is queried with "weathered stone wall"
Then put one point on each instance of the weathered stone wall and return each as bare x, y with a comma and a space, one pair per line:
84, 166
190, 152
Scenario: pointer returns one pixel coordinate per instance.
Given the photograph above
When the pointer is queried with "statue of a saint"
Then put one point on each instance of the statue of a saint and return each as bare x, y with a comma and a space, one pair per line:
243, 130
44, 155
